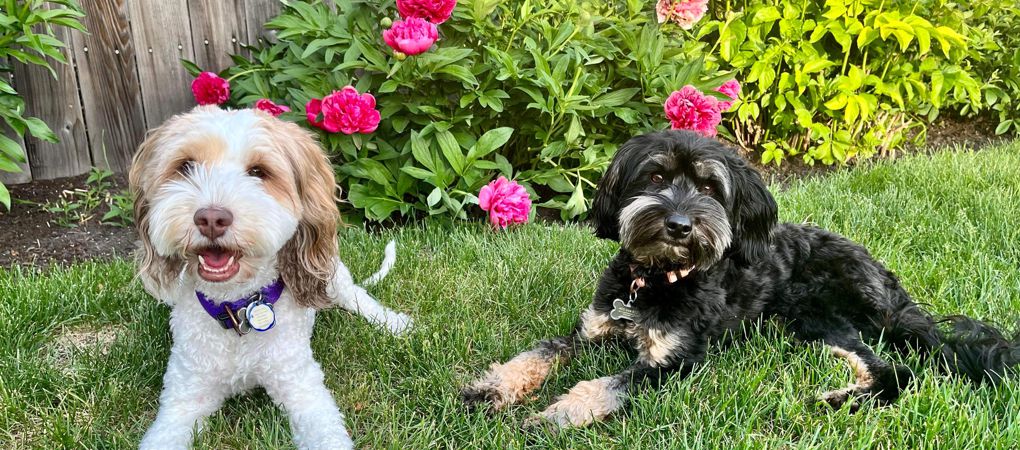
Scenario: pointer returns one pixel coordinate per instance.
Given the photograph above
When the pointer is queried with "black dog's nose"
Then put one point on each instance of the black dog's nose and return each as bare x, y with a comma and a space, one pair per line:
678, 226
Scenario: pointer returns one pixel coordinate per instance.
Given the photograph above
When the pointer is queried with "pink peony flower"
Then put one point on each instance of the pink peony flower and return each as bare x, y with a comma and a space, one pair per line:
506, 201
435, 11
689, 109
267, 105
411, 36
732, 90
210, 89
345, 111
682, 12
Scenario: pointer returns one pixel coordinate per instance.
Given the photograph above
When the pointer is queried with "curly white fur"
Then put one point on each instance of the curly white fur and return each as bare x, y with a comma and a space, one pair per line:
209, 364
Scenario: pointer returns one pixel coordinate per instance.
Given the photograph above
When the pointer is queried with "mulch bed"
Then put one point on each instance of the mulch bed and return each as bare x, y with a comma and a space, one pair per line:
31, 236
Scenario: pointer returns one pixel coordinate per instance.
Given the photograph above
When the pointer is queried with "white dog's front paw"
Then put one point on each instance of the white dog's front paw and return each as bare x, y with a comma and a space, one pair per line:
398, 323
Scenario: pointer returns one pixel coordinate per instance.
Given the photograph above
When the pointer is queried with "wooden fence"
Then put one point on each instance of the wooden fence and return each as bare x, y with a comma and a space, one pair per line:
125, 76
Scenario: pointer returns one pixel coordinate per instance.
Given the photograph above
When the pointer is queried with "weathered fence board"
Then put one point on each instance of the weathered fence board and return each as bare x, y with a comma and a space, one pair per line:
124, 76
61, 110
162, 35
257, 13
218, 29
108, 83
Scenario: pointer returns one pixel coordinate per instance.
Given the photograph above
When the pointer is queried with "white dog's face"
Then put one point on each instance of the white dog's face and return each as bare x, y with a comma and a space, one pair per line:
222, 193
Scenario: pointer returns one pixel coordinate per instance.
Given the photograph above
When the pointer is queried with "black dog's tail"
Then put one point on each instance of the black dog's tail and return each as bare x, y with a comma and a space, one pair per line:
967, 347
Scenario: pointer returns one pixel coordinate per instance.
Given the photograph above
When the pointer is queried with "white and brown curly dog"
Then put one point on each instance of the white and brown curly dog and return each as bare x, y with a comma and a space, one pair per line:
236, 212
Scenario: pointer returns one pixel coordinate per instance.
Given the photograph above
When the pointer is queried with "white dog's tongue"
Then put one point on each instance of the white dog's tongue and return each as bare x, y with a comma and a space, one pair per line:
215, 258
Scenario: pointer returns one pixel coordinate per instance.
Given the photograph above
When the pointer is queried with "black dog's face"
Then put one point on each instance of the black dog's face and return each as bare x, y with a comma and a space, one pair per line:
676, 200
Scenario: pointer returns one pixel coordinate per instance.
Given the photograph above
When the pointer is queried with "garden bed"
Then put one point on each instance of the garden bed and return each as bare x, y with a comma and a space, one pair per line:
30, 235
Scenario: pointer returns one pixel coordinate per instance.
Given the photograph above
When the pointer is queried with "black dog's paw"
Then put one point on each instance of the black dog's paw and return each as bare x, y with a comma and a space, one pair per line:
837, 399
482, 398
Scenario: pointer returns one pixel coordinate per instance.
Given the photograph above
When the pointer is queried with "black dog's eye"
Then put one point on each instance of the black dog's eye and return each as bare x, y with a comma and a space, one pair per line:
656, 178
257, 172
706, 189
186, 167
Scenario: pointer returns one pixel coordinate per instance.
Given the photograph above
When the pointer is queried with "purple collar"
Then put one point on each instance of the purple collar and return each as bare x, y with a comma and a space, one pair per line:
225, 312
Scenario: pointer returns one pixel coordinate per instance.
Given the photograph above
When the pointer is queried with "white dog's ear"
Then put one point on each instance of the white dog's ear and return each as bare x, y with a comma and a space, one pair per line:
308, 261
157, 272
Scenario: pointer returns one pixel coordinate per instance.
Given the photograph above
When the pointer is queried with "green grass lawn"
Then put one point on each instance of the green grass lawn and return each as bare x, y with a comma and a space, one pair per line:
83, 349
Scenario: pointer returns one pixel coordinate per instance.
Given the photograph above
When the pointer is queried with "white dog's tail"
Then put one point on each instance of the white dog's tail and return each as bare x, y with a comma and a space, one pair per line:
389, 259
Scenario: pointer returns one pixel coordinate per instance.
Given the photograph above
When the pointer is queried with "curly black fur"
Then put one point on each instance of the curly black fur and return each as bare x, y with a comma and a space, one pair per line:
743, 266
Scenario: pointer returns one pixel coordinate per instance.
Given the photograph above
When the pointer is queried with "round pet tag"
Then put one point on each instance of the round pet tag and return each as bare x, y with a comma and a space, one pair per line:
260, 316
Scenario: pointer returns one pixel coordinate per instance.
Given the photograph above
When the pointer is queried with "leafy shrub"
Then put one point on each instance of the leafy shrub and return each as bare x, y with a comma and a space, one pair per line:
837, 79
26, 35
537, 91
995, 47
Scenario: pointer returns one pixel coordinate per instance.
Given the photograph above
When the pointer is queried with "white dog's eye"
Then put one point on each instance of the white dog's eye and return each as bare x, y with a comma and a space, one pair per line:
706, 189
186, 167
656, 178
257, 172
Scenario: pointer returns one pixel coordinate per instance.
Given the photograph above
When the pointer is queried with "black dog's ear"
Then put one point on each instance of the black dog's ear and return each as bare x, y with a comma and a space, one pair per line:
754, 212
605, 209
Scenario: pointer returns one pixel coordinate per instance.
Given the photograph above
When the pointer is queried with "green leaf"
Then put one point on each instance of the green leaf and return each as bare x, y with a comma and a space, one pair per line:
615, 98
417, 172
7, 165
1001, 129
11, 148
191, 67
575, 130
5, 196
434, 197
490, 141
421, 151
451, 150
40, 130
461, 73
767, 14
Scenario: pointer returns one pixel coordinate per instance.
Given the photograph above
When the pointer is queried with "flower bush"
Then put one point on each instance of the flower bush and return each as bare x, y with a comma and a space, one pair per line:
538, 92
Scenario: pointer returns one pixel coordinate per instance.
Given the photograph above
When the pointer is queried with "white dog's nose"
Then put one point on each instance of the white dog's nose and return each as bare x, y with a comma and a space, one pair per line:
213, 222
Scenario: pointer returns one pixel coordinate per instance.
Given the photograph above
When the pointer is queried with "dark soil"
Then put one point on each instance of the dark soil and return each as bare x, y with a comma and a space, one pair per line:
31, 236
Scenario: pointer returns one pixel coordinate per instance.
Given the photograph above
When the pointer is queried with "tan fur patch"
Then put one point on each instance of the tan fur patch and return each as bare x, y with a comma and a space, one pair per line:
512, 381
306, 262
595, 325
586, 402
278, 179
657, 346
863, 376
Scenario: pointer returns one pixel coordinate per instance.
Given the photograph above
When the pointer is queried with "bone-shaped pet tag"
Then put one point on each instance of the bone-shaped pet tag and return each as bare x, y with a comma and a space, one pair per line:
623, 311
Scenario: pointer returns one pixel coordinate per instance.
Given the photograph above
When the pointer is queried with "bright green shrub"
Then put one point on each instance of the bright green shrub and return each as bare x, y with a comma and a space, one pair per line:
835, 80
540, 91
26, 35
995, 31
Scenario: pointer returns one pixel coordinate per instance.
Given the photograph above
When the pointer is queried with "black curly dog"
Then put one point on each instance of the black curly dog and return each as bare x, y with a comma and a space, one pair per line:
700, 253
